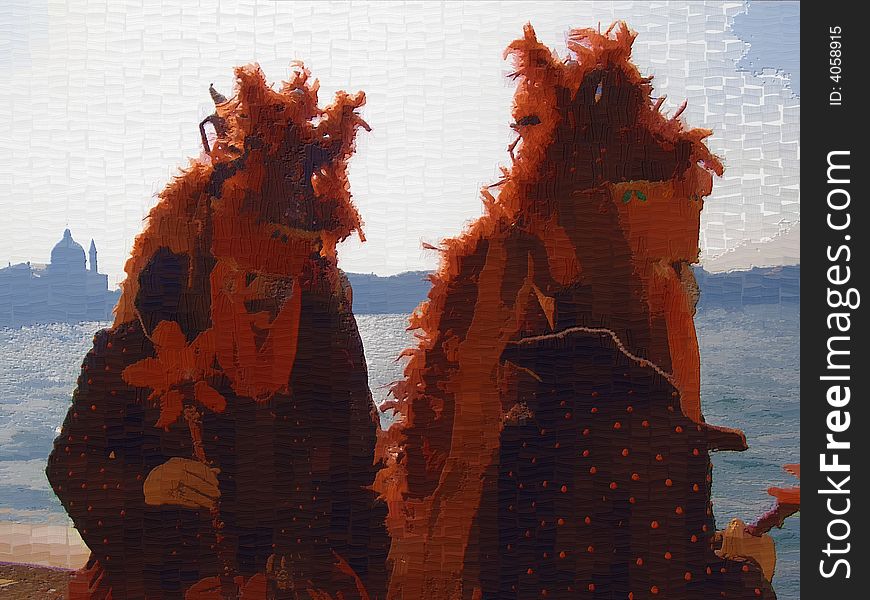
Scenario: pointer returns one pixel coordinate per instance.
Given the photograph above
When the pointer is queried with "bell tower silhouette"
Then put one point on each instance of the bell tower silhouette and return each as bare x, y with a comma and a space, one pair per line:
92, 257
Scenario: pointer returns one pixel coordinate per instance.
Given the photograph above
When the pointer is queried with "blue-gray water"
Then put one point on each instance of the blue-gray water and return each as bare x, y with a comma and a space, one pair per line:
750, 371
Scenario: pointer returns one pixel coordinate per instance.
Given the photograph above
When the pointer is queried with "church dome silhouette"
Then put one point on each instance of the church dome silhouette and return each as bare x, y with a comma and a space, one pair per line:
68, 254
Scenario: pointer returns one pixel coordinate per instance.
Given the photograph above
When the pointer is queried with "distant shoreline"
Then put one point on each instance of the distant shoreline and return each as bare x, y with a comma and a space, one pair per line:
403, 292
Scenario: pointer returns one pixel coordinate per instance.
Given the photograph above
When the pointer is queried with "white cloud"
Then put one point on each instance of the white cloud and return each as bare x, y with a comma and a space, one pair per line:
781, 249
109, 107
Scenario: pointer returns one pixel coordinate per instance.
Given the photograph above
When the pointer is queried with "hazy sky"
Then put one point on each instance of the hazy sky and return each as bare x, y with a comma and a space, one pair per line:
103, 99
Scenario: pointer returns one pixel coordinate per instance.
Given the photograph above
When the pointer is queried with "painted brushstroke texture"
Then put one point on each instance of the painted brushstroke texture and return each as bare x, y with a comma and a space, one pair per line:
221, 435
98, 98
551, 439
